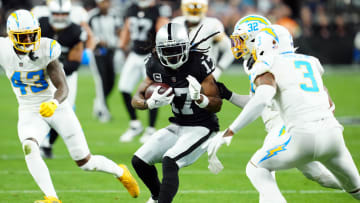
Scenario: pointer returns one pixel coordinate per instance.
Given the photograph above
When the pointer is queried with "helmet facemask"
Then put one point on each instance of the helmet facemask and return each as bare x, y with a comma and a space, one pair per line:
238, 45
193, 11
60, 20
59, 13
26, 41
173, 54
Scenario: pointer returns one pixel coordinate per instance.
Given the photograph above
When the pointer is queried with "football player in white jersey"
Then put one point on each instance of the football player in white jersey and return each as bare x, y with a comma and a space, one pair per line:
294, 82
194, 16
274, 125
38, 81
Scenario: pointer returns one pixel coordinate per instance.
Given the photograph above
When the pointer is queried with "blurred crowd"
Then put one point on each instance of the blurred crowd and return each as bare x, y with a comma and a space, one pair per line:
319, 27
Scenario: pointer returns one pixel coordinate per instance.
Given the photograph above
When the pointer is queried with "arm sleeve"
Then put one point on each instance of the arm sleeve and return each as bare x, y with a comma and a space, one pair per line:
239, 100
254, 108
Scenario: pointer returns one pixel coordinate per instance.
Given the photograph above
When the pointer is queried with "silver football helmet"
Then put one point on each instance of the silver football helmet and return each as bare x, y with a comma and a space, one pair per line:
172, 45
59, 13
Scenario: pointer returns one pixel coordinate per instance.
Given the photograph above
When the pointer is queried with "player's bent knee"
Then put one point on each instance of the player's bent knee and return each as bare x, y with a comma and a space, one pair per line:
250, 169
137, 162
30, 146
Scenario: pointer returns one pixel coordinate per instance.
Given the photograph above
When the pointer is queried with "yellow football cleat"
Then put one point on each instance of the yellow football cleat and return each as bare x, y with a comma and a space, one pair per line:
129, 182
48, 199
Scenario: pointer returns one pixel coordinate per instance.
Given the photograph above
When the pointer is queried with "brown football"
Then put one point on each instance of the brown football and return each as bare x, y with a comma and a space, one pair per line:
149, 91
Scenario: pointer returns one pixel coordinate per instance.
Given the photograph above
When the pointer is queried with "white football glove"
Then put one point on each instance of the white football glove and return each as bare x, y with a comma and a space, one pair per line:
157, 100
194, 87
215, 143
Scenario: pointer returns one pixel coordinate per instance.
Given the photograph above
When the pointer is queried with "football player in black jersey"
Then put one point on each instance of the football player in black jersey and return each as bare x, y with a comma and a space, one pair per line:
142, 20
71, 36
194, 98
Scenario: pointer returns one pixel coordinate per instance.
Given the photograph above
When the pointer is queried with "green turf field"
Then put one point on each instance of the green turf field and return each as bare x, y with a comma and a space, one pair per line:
197, 184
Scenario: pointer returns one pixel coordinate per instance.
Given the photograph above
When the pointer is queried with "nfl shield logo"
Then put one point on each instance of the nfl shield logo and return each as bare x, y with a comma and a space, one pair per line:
173, 79
21, 64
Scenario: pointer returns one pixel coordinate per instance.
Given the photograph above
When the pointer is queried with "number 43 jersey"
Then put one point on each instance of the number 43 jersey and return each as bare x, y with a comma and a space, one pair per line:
300, 90
29, 79
186, 112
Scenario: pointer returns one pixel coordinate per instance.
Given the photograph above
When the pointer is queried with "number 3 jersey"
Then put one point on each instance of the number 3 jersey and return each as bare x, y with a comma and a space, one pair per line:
186, 112
29, 79
300, 90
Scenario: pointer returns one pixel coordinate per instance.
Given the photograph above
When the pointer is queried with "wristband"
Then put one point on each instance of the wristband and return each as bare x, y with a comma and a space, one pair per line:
55, 101
204, 103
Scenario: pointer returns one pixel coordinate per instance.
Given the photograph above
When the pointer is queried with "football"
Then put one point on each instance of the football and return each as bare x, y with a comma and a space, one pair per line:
163, 87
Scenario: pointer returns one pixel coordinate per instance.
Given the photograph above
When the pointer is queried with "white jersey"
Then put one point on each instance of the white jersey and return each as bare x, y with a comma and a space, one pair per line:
77, 15
300, 90
210, 26
29, 79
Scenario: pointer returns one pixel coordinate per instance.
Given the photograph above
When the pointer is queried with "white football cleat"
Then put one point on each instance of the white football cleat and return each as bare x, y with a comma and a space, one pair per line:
134, 130
147, 134
150, 200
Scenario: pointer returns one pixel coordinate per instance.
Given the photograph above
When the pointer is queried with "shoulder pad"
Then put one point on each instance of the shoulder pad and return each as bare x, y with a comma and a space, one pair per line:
259, 68
54, 49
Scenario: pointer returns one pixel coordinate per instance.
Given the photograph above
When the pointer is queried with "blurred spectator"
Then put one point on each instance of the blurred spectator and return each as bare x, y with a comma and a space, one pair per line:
306, 21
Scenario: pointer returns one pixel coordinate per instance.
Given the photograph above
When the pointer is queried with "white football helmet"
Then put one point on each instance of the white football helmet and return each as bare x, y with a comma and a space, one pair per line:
286, 43
243, 37
172, 45
274, 39
23, 30
144, 3
59, 13
194, 10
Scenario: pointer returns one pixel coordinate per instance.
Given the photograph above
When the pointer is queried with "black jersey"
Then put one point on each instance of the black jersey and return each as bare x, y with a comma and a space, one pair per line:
142, 22
67, 37
185, 110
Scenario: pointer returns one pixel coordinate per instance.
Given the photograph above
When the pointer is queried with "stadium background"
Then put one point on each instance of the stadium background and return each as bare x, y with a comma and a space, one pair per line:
325, 29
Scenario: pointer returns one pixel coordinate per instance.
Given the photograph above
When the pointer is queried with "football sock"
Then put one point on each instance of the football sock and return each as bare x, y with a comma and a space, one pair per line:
130, 109
152, 117
170, 181
148, 174
103, 164
53, 136
38, 168
264, 183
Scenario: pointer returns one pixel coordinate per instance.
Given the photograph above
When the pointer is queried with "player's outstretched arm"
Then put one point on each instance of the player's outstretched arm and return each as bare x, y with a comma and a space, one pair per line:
57, 77
265, 91
138, 101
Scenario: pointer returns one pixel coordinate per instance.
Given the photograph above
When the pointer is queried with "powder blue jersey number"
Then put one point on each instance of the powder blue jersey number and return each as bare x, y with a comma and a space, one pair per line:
307, 75
38, 78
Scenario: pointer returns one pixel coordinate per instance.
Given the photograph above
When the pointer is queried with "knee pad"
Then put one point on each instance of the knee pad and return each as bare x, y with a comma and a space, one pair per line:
30, 146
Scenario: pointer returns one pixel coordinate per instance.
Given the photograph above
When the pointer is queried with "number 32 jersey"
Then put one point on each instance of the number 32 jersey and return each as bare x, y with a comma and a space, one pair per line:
29, 79
186, 112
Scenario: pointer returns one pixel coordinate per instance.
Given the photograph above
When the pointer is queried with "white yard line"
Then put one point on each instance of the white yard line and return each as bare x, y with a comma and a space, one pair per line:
181, 191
